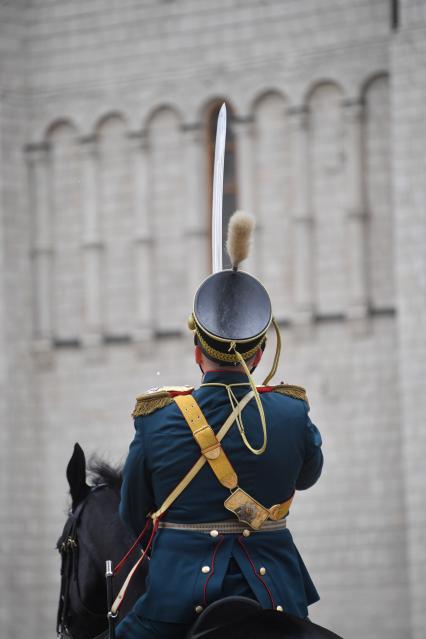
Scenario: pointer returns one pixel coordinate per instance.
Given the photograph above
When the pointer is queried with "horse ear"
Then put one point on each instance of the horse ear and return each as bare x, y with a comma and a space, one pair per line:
76, 475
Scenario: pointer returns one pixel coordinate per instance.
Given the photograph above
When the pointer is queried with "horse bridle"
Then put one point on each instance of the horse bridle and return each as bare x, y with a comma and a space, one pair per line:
68, 548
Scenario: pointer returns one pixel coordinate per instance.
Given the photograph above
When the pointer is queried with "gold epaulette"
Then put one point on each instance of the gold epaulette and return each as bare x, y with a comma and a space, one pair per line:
297, 392
157, 398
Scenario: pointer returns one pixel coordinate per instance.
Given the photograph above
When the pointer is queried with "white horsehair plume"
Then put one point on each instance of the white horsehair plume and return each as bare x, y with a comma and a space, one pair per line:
240, 228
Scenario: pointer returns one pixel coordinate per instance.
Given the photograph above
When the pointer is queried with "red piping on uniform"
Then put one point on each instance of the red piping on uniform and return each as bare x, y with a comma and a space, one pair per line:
143, 556
140, 536
173, 393
256, 573
211, 573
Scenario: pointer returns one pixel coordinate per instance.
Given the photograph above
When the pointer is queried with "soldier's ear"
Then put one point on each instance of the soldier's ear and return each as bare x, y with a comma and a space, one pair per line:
198, 354
76, 475
257, 357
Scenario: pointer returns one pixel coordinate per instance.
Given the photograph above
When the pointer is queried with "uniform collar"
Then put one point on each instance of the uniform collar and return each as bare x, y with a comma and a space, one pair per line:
224, 376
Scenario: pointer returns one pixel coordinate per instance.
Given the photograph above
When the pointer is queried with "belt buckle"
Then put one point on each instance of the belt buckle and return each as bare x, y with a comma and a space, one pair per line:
247, 509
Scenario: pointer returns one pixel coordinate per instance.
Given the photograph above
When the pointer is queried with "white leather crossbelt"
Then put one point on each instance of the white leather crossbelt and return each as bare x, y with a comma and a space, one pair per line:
223, 527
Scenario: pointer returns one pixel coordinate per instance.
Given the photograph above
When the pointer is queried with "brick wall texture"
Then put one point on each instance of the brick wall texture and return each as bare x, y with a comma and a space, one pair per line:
104, 234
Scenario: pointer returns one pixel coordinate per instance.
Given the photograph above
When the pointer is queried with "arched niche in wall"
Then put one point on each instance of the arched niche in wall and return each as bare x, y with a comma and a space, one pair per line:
115, 202
272, 162
167, 211
377, 177
65, 185
327, 173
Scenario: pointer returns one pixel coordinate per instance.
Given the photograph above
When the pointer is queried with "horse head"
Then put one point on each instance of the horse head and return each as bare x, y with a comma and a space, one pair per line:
93, 533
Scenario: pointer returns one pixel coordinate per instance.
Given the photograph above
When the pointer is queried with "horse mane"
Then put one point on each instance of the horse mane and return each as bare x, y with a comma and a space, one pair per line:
101, 472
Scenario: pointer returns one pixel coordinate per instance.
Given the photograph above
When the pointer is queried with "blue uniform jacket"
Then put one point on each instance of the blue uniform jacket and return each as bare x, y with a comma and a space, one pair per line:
163, 451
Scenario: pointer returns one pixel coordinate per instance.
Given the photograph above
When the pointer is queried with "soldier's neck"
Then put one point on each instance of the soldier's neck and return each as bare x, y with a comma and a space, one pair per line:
227, 369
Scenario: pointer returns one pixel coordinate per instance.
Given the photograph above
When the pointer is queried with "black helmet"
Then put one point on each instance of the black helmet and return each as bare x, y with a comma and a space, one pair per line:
232, 309
232, 312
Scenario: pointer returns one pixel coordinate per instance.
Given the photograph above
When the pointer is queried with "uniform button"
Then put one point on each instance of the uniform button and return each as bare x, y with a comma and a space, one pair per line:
246, 532
262, 571
214, 533
280, 609
198, 609
205, 569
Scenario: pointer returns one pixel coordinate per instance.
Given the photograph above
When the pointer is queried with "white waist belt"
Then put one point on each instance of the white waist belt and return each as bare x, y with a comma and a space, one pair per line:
223, 527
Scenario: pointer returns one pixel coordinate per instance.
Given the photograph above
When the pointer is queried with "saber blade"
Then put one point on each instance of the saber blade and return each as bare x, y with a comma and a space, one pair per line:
219, 160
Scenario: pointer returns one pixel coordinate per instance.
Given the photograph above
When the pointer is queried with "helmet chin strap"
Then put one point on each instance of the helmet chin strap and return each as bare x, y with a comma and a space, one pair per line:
255, 451
277, 354
242, 362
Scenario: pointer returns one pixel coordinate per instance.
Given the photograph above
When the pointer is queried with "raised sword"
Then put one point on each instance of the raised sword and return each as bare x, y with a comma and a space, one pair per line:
219, 160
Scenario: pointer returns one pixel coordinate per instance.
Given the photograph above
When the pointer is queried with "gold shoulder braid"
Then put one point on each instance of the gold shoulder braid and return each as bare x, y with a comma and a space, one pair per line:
297, 392
157, 398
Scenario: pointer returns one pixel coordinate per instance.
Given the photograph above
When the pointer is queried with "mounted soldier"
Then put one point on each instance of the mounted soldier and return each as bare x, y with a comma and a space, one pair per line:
215, 469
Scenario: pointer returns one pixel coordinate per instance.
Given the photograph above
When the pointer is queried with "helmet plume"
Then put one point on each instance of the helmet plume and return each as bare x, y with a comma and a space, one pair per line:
240, 229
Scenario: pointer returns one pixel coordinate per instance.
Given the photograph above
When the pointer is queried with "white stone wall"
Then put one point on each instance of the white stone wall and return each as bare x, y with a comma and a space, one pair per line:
65, 231
116, 223
409, 194
4, 432
19, 453
104, 236
272, 150
378, 200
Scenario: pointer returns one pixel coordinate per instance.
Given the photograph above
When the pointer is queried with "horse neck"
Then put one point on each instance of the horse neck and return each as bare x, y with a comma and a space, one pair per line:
101, 533
103, 536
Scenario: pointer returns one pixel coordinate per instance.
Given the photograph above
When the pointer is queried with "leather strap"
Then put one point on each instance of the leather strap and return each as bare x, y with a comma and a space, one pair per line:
206, 439
278, 511
202, 460
213, 452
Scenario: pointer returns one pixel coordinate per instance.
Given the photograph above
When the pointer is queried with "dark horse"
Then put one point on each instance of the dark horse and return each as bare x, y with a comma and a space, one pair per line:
94, 533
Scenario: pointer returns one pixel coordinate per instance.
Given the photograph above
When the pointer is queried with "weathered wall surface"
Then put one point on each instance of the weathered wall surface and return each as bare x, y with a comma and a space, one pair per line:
19, 458
104, 237
409, 94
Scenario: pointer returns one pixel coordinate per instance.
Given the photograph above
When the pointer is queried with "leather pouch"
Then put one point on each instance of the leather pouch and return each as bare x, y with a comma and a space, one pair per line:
247, 509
